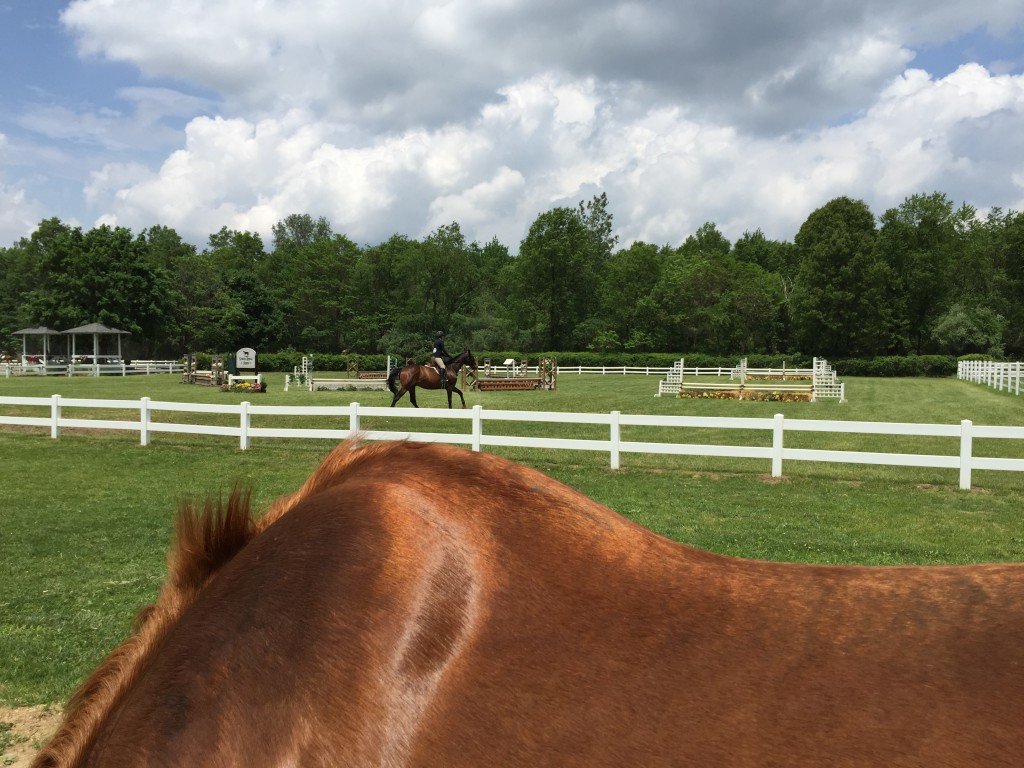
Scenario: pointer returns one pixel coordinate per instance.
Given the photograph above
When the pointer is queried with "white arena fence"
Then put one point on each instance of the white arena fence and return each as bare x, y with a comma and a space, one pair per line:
601, 370
136, 367
777, 453
1004, 377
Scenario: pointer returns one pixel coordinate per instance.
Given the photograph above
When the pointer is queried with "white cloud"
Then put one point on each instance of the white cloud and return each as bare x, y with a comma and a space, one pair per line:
19, 213
398, 117
397, 65
665, 173
143, 126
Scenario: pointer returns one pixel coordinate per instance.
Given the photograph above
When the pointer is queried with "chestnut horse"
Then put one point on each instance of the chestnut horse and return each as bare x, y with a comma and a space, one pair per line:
422, 605
406, 379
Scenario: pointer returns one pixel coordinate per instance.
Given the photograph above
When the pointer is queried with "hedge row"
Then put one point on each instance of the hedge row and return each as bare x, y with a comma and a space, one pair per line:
912, 365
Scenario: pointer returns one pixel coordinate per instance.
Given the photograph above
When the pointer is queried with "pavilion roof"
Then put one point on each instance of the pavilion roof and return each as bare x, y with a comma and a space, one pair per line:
96, 328
40, 330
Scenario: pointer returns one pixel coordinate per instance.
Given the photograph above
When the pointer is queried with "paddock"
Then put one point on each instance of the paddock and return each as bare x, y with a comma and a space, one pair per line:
104, 493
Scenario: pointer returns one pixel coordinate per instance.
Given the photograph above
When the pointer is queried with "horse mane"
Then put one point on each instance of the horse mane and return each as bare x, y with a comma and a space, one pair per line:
205, 539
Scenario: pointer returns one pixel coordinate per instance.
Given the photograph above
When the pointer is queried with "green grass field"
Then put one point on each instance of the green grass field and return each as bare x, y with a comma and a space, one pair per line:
85, 520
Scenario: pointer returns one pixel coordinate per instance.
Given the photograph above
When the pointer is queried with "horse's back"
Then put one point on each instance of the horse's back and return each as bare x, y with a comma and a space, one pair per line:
430, 606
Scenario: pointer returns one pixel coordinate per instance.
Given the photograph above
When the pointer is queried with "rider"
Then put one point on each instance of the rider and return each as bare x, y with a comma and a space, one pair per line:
441, 358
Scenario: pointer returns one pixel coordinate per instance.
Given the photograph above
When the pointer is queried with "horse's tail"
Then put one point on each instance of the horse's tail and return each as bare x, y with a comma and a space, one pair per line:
392, 378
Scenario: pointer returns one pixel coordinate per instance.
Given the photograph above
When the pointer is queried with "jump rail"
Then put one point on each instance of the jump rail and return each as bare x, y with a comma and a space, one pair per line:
966, 431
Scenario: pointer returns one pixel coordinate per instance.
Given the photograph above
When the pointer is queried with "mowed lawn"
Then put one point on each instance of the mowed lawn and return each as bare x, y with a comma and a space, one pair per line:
85, 520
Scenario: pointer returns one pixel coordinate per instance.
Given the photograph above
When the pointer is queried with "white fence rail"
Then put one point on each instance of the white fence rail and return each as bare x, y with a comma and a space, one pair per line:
777, 453
137, 367
1004, 377
605, 370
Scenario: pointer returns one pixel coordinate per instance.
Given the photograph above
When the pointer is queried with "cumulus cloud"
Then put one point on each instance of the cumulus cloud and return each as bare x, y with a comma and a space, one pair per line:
552, 141
19, 213
142, 126
399, 117
396, 65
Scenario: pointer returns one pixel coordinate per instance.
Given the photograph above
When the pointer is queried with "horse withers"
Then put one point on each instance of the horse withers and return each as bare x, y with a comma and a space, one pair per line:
407, 378
382, 616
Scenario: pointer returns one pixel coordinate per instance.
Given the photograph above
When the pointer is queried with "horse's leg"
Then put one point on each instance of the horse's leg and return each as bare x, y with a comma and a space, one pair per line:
449, 391
398, 395
456, 389
412, 395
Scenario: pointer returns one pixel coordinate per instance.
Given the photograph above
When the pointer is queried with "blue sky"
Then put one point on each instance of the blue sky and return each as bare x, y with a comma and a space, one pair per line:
395, 117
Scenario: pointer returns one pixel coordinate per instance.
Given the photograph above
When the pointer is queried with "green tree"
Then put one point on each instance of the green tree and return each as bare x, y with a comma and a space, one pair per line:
597, 220
300, 229
248, 312
710, 302
628, 281
19, 277
969, 329
309, 273
103, 276
555, 279
779, 259
1007, 233
842, 303
920, 240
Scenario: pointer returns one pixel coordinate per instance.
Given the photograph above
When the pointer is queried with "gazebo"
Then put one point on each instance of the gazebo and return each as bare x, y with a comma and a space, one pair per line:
95, 330
40, 330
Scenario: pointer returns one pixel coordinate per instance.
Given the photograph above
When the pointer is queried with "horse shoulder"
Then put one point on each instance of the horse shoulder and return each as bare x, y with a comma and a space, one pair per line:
339, 617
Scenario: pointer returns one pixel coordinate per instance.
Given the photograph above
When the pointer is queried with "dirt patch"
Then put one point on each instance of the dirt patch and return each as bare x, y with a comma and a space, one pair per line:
23, 730
769, 480
708, 475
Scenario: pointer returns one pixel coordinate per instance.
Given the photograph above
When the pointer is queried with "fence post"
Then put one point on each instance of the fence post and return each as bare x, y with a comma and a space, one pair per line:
144, 422
966, 444
615, 438
55, 416
478, 426
777, 432
353, 419
243, 438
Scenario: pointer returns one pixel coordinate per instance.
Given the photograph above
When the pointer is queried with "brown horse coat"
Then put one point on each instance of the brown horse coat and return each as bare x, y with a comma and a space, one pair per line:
363, 622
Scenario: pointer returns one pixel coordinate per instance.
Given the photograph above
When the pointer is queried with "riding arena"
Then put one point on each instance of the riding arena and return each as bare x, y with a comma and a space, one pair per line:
608, 571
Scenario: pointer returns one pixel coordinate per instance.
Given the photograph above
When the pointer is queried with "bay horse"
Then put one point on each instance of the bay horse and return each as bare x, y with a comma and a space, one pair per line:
423, 605
407, 378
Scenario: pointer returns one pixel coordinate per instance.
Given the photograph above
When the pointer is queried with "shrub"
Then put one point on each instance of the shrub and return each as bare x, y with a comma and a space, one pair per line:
911, 365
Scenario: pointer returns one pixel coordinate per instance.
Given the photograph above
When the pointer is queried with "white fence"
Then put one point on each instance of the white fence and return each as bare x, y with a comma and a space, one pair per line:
601, 370
777, 453
92, 369
1002, 376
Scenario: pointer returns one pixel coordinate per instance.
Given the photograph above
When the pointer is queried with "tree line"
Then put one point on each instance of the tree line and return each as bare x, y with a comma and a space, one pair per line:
924, 277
